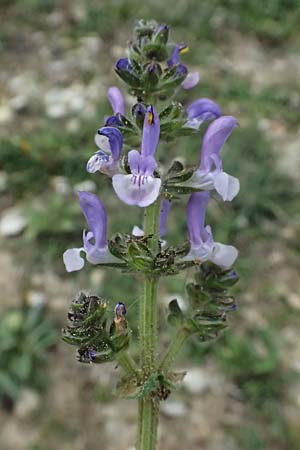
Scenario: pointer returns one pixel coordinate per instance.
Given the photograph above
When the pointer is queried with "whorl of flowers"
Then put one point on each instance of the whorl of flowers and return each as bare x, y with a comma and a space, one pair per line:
154, 72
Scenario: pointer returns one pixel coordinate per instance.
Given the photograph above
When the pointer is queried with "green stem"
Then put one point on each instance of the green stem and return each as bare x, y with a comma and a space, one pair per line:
127, 363
148, 409
173, 350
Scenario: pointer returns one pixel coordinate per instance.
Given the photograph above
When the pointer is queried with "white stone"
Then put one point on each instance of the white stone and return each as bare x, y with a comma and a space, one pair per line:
19, 102
28, 403
35, 298
86, 185
196, 381
12, 222
61, 185
56, 111
174, 408
6, 114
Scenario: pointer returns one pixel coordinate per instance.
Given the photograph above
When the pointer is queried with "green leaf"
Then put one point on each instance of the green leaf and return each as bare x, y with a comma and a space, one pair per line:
175, 317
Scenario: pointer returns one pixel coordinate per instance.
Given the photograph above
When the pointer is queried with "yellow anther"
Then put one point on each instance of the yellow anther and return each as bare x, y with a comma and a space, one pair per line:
150, 118
184, 50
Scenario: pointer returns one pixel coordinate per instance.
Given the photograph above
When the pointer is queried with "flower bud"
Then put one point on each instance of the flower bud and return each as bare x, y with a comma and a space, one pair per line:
161, 35
126, 72
138, 112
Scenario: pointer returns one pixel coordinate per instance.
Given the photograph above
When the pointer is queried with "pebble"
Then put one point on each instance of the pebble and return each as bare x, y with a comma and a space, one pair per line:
87, 185
61, 185
12, 222
28, 403
6, 114
174, 408
35, 298
196, 381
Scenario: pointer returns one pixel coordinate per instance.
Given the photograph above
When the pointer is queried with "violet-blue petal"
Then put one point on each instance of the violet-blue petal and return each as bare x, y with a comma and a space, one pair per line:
181, 70
196, 209
95, 215
164, 211
141, 165
116, 100
123, 64
113, 121
174, 58
204, 109
139, 191
192, 79
115, 139
151, 130
215, 137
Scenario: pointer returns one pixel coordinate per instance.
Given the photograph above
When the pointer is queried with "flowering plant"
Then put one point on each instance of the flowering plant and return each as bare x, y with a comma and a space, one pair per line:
153, 73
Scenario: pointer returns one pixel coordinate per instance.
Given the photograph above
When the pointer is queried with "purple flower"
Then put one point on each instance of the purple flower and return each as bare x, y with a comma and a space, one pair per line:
201, 110
162, 230
116, 100
192, 79
210, 174
202, 245
94, 241
180, 49
106, 159
141, 188
120, 309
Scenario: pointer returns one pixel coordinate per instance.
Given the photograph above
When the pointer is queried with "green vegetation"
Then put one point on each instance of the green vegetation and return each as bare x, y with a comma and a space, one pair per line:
25, 336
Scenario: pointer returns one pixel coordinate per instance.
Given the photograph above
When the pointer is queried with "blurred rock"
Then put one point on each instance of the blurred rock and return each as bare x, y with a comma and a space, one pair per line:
86, 185
12, 222
196, 381
61, 185
6, 113
92, 44
35, 298
60, 102
28, 403
20, 102
174, 408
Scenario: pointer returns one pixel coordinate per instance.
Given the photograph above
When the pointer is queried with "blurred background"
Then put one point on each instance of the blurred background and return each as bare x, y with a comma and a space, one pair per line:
243, 390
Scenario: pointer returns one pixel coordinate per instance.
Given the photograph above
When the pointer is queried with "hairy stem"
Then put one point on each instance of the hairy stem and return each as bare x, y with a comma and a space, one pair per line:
148, 409
173, 350
127, 363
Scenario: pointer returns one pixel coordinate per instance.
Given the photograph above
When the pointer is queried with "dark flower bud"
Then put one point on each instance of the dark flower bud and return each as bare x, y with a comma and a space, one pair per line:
138, 111
126, 72
113, 121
